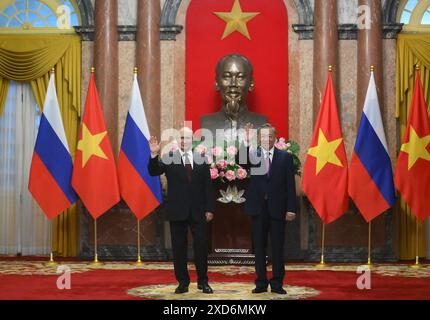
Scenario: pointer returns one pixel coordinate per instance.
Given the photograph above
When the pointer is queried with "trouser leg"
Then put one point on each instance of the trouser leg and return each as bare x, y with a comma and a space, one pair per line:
200, 243
259, 235
179, 232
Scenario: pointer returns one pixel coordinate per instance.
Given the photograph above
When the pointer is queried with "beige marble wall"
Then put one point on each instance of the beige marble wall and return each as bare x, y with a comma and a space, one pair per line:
126, 61
87, 63
389, 79
347, 93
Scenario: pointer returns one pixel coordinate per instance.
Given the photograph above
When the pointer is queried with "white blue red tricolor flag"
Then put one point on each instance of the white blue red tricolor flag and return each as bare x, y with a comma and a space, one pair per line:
51, 165
370, 183
140, 191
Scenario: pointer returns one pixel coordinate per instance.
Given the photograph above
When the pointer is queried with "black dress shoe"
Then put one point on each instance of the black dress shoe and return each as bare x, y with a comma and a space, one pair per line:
259, 290
205, 287
279, 291
181, 289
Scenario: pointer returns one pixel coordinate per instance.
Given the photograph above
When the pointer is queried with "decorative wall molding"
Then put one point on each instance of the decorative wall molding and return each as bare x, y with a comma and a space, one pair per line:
169, 29
347, 31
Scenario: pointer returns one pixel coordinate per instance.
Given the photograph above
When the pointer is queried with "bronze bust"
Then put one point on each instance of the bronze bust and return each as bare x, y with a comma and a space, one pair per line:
234, 80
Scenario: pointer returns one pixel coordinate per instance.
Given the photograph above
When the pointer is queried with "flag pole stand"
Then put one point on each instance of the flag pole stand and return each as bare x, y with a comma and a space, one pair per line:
369, 247
96, 259
139, 259
417, 264
51, 261
322, 263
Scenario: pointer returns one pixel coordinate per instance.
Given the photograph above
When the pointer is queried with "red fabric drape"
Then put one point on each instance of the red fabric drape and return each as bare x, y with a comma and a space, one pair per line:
267, 50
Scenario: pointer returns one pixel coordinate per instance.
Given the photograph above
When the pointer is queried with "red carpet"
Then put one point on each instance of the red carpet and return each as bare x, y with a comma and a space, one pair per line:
21, 280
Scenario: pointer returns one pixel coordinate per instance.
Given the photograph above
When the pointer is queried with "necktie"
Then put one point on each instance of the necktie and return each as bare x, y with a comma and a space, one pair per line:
188, 167
268, 163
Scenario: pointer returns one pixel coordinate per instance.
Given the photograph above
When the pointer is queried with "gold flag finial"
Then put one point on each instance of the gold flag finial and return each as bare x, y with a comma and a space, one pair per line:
93, 69
53, 70
135, 70
372, 68
417, 67
330, 68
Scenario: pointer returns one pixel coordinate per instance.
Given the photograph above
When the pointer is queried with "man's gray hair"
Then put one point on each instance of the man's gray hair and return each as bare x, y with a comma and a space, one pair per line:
266, 126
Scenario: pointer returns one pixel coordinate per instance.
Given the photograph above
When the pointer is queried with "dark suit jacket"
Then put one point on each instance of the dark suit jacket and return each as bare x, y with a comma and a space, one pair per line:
280, 186
185, 198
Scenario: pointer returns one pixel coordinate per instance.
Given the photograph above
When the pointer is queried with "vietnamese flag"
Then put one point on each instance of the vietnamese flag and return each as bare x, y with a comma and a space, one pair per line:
94, 177
325, 174
412, 177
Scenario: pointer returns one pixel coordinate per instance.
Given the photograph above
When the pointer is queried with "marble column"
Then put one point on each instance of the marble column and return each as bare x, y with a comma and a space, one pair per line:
148, 61
149, 73
326, 49
106, 64
369, 52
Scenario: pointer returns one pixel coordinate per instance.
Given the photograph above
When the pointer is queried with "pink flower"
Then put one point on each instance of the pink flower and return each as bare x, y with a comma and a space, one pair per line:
217, 151
241, 174
279, 146
221, 174
232, 151
202, 149
232, 163
222, 164
174, 146
230, 175
214, 173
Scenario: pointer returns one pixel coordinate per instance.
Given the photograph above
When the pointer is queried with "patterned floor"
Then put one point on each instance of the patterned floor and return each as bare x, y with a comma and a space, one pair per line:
44, 268
23, 279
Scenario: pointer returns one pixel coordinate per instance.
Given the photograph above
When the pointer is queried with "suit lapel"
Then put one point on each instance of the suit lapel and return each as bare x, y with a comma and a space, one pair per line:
275, 161
180, 164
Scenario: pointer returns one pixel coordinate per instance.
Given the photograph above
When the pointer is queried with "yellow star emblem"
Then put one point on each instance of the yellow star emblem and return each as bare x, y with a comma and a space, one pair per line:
236, 20
325, 152
416, 148
90, 145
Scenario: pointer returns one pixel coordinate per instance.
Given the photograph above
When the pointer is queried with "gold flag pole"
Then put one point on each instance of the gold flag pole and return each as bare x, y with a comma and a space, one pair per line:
139, 259
96, 258
322, 263
417, 264
369, 248
51, 256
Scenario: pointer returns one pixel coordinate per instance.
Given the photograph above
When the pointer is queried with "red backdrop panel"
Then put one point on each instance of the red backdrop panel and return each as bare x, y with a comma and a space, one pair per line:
267, 50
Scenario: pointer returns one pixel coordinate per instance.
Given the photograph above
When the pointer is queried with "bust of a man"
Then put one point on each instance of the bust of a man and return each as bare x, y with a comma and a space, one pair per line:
234, 80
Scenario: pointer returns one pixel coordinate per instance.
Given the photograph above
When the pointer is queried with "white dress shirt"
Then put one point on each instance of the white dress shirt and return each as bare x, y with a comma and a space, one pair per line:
190, 157
265, 153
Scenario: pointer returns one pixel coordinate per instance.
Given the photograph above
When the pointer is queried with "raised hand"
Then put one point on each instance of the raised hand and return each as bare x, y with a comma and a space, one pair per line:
154, 146
249, 132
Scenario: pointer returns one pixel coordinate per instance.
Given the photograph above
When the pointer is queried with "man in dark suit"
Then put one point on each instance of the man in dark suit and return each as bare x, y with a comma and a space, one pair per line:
270, 201
190, 203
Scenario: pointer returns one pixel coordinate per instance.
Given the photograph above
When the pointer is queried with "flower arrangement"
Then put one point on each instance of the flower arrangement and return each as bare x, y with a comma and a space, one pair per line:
226, 168
223, 166
292, 148
223, 160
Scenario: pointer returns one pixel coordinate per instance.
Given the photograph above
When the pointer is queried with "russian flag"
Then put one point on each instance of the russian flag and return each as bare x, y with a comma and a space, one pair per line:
51, 165
370, 183
140, 191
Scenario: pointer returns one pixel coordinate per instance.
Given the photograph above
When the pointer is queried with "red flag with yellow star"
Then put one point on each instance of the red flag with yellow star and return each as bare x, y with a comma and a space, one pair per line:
94, 177
325, 174
412, 177
257, 29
